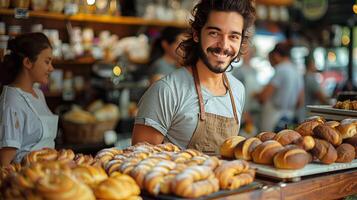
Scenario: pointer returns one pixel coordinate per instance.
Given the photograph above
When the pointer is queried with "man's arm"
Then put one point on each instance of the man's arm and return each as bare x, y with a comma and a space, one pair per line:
7, 154
142, 133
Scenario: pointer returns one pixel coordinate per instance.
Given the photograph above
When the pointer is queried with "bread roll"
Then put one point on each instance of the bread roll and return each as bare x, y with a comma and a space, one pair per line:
345, 153
353, 142
244, 149
306, 127
316, 118
291, 157
332, 124
347, 129
265, 152
227, 148
264, 136
327, 133
324, 151
306, 142
107, 112
287, 136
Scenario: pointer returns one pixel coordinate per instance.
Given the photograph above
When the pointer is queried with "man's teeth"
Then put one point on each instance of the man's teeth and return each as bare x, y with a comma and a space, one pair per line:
220, 55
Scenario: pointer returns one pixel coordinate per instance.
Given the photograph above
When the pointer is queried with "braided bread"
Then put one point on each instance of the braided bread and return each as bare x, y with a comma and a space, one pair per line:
141, 169
81, 159
117, 187
65, 155
195, 181
169, 147
157, 181
185, 155
234, 174
108, 154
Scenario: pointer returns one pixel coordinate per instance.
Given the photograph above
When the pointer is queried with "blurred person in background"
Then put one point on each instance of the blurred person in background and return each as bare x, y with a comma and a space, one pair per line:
164, 58
284, 93
248, 75
314, 94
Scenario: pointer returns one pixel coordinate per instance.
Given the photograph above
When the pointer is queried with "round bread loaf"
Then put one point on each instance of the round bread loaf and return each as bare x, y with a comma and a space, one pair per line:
291, 157
345, 153
244, 149
265, 136
265, 152
227, 148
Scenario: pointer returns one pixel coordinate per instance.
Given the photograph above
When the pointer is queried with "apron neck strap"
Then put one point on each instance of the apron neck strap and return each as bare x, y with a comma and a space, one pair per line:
196, 79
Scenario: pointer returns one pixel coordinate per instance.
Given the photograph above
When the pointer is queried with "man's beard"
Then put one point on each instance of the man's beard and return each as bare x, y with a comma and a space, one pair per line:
215, 69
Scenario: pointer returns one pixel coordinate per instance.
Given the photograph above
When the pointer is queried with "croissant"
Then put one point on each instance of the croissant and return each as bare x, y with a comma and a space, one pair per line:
234, 174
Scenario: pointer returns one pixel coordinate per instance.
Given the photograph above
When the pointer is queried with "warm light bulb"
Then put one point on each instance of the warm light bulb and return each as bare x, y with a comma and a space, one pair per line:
116, 71
354, 8
345, 40
90, 2
331, 56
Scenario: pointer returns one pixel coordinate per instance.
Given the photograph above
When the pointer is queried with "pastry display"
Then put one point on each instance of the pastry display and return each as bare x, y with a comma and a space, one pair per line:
346, 105
227, 148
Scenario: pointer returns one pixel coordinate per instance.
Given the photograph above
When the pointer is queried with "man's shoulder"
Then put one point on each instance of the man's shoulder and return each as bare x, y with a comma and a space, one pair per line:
234, 82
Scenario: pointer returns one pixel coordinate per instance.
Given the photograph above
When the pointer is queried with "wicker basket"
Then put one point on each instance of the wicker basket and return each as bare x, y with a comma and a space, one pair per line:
76, 133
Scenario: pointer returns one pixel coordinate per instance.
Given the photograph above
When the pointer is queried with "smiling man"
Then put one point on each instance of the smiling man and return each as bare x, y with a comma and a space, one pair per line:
199, 106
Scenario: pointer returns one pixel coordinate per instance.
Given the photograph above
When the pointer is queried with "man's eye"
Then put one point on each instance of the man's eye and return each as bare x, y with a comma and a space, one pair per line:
235, 37
214, 34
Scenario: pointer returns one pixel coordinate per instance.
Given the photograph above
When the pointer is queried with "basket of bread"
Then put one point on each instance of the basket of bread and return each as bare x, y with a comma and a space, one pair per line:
88, 126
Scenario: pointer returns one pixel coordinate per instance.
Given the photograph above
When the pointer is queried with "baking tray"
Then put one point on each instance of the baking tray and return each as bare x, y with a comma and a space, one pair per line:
222, 193
295, 175
330, 110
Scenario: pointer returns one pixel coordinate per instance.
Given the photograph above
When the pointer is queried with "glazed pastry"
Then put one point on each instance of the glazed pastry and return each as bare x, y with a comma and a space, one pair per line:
45, 154
332, 124
65, 155
108, 154
291, 157
347, 129
244, 149
227, 148
89, 175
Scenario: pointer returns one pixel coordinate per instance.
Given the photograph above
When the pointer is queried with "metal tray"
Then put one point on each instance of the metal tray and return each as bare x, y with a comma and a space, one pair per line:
329, 110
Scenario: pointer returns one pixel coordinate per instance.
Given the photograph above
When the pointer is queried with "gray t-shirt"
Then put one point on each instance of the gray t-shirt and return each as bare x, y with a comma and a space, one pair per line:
288, 83
311, 88
19, 125
170, 105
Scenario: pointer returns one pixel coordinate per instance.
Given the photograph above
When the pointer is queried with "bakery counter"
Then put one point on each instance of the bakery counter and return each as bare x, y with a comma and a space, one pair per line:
334, 185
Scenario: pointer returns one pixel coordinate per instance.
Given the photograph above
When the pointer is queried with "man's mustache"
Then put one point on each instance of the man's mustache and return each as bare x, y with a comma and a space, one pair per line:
220, 50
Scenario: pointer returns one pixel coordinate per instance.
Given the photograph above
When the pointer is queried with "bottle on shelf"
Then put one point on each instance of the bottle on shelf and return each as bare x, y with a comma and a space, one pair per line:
68, 92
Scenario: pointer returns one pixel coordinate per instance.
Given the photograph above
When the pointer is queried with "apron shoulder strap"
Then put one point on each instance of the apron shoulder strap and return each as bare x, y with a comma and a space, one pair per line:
199, 93
231, 97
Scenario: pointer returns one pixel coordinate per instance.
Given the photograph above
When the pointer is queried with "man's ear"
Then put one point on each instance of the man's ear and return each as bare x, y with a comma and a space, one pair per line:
26, 62
195, 36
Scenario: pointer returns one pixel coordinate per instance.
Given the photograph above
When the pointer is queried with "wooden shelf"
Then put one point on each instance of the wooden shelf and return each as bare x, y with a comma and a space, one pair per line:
99, 18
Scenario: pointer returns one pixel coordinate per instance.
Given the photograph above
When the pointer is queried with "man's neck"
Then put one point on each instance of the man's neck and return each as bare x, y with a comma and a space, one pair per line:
212, 81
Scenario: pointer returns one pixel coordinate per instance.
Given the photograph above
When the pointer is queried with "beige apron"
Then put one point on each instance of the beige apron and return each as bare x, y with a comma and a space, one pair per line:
212, 129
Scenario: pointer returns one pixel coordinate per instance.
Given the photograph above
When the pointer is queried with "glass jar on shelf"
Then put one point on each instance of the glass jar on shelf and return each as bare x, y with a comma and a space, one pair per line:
55, 6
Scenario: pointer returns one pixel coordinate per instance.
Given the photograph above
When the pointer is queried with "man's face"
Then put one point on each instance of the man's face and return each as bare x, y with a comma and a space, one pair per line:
220, 40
